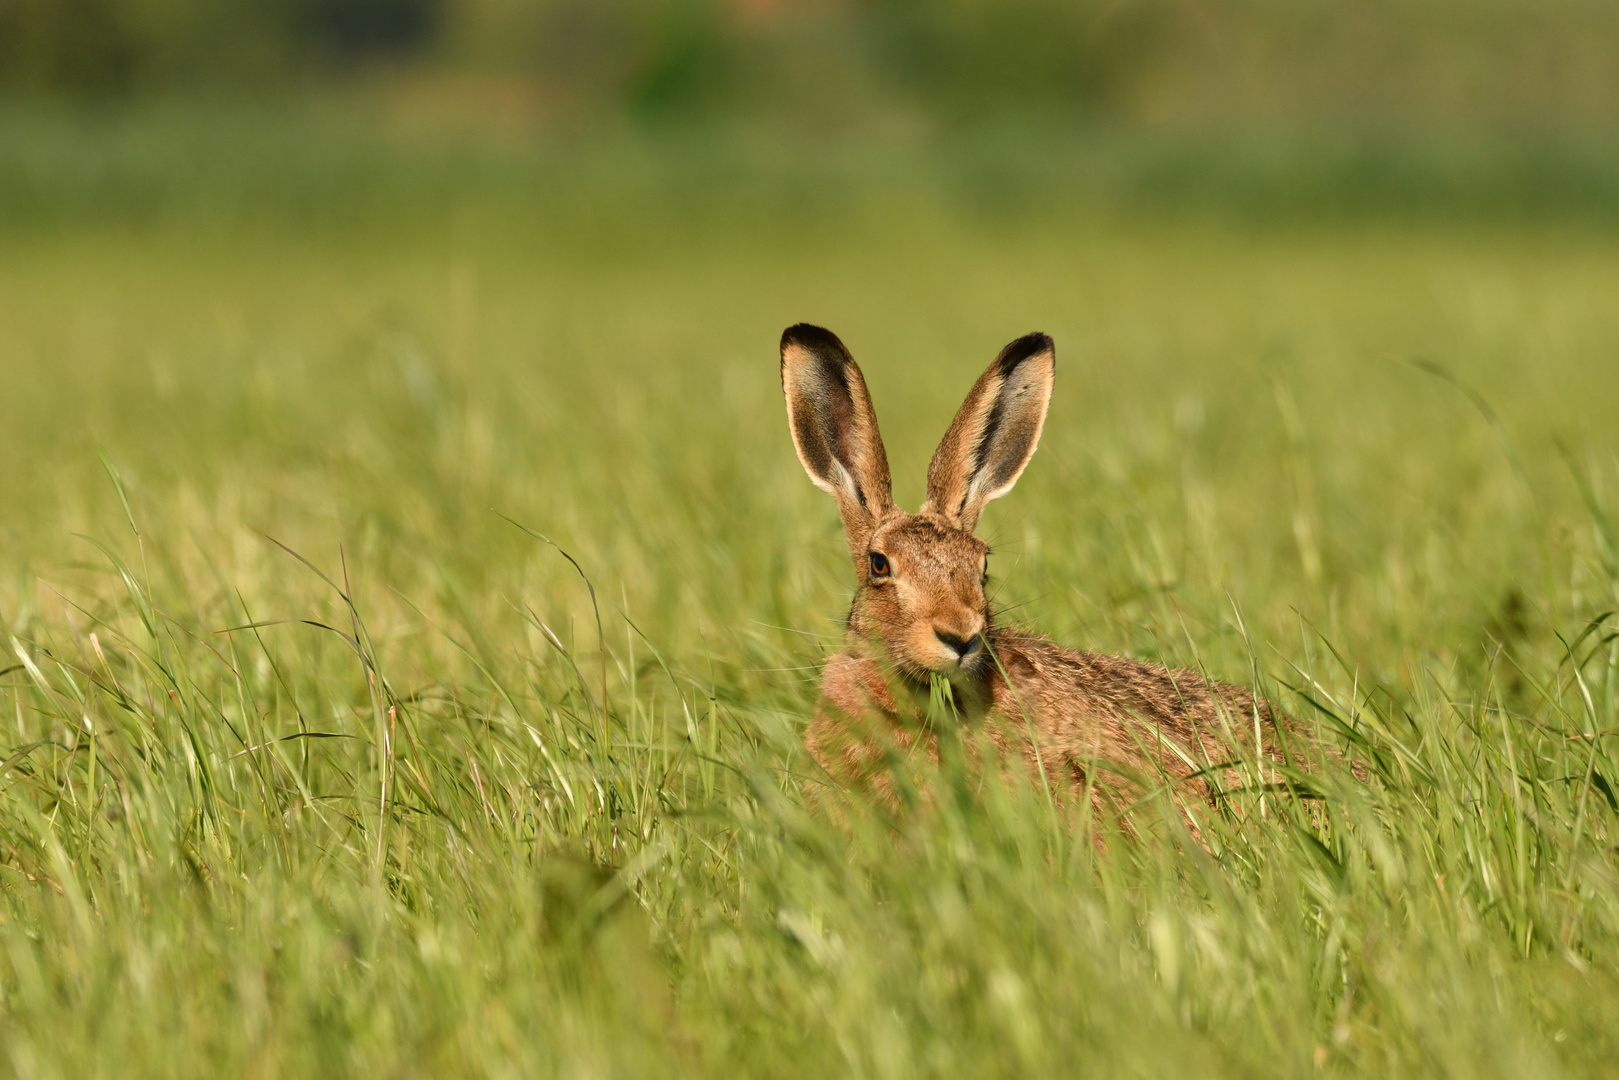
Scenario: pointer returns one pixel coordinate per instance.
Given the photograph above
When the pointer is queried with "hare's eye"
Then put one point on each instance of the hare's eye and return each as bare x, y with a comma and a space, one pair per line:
879, 564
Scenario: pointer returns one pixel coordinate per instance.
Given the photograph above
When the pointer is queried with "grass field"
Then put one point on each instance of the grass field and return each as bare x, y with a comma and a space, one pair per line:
315, 759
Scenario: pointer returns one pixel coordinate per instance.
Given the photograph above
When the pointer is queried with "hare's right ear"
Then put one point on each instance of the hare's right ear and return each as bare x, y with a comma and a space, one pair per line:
835, 429
995, 432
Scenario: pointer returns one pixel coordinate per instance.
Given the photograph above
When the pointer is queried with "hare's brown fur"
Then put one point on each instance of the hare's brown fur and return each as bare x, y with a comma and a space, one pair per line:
1108, 724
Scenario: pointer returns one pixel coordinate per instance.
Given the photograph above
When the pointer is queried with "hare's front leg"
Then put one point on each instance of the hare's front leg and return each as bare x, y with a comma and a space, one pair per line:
852, 694
856, 724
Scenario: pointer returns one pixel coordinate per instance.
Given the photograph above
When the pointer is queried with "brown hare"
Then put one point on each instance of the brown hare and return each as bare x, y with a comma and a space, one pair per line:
921, 620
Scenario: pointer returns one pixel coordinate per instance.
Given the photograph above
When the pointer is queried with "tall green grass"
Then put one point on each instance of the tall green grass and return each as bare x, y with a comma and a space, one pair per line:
408, 623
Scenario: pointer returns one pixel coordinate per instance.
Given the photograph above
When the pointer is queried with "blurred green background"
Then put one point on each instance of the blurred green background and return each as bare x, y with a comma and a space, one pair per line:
1259, 108
1493, 64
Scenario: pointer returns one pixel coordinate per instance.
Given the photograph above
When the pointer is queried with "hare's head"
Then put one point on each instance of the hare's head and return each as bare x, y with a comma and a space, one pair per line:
920, 576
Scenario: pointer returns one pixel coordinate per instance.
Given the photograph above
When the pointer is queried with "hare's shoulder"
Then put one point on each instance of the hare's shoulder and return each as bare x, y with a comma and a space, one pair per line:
853, 686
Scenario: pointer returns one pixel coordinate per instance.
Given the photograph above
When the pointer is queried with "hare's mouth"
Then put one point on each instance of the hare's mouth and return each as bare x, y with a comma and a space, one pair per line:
962, 675
952, 656
974, 667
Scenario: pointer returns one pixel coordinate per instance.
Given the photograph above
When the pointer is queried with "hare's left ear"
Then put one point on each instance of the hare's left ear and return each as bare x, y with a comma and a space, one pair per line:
995, 433
835, 429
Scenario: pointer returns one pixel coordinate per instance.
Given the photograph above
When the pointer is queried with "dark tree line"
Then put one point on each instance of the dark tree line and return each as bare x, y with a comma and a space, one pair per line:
1503, 61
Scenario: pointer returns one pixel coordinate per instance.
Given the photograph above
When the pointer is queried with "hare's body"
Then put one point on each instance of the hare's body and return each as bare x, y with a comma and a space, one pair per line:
1062, 710
1104, 723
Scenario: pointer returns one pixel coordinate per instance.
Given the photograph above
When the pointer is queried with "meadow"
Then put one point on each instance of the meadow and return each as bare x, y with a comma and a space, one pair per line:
411, 602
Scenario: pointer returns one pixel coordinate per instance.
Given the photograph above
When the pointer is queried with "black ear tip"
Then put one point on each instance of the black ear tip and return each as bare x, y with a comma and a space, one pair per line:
809, 336
1029, 345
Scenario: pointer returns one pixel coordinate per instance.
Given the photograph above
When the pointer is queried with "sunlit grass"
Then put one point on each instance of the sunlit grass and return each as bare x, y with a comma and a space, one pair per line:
315, 759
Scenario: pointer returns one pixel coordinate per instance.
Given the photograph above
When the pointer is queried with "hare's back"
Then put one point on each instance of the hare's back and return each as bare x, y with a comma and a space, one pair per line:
1118, 707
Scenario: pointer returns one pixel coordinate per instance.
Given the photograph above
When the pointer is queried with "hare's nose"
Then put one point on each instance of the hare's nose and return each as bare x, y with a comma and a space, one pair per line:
960, 646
